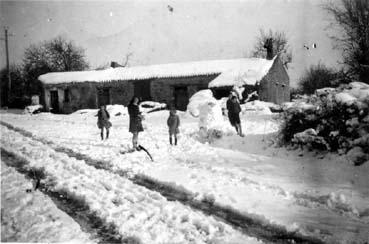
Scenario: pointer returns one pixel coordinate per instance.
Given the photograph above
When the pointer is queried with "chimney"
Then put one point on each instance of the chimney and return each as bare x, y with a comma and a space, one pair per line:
114, 64
269, 47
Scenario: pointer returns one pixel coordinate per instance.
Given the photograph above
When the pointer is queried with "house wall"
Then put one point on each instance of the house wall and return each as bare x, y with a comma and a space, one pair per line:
162, 90
275, 86
81, 95
121, 92
85, 95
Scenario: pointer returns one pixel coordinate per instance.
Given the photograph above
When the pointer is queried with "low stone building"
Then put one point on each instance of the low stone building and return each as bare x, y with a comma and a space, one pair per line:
175, 83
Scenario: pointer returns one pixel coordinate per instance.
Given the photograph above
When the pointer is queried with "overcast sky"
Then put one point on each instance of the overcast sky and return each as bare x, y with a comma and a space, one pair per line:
156, 33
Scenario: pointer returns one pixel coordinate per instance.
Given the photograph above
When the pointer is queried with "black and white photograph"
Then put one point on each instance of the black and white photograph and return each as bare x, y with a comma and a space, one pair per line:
184, 121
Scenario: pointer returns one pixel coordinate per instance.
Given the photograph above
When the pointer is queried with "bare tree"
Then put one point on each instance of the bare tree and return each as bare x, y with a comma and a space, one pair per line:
127, 59
351, 19
277, 40
316, 77
56, 55
17, 95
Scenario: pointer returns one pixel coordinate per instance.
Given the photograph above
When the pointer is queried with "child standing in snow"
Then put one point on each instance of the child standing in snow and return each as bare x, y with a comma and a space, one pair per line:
173, 125
135, 120
103, 121
234, 109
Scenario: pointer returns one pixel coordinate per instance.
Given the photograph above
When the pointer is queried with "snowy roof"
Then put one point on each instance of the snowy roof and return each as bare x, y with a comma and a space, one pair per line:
232, 72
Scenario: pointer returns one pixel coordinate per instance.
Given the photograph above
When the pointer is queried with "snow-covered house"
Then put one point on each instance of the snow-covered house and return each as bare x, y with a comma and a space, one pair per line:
172, 83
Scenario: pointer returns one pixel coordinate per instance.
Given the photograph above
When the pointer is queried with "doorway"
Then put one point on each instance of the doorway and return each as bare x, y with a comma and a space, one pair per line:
181, 98
103, 96
142, 89
54, 101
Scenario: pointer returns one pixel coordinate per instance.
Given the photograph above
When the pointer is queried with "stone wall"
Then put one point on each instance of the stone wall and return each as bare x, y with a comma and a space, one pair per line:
162, 90
121, 92
82, 95
275, 86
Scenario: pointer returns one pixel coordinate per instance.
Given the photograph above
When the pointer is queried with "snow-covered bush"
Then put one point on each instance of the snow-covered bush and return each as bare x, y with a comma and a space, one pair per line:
332, 119
257, 108
33, 109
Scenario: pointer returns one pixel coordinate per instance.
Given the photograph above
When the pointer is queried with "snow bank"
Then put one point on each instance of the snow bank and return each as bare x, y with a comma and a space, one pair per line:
150, 106
345, 98
257, 108
355, 91
116, 110
33, 109
324, 91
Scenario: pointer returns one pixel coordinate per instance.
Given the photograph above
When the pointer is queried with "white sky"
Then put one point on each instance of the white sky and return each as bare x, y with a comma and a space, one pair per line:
195, 30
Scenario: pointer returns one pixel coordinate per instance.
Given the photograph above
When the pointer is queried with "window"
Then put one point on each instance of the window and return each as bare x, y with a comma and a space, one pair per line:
66, 96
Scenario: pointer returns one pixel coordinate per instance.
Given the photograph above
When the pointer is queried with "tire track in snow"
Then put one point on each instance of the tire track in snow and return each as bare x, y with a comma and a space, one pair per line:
249, 224
79, 211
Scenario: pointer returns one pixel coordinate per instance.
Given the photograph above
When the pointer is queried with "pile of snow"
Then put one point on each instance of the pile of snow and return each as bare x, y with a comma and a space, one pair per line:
33, 109
310, 136
349, 94
150, 106
324, 91
298, 104
257, 108
198, 99
345, 98
116, 110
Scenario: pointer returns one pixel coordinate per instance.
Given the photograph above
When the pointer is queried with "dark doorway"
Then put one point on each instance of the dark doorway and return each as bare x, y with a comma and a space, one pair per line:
103, 96
54, 101
181, 98
142, 89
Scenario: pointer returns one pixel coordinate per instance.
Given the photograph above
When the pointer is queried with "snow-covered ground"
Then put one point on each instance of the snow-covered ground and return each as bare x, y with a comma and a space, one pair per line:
320, 196
32, 216
135, 211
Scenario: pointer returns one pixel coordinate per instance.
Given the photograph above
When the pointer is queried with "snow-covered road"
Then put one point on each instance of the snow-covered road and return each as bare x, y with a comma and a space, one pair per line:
136, 213
324, 198
30, 216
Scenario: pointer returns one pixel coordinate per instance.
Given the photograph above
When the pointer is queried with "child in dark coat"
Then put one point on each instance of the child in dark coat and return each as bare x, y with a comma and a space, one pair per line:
135, 120
173, 125
103, 121
234, 109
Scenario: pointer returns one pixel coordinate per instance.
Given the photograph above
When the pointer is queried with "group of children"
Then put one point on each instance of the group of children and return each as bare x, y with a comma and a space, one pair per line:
135, 122
173, 122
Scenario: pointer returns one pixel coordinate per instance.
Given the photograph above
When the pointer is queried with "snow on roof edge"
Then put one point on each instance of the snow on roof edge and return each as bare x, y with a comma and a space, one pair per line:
244, 76
231, 68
